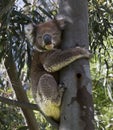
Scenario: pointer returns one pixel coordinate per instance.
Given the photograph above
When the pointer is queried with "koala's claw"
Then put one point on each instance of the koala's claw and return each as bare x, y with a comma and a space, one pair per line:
61, 84
62, 87
84, 52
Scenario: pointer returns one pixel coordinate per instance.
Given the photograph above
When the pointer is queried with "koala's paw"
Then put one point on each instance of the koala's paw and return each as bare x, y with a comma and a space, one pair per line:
84, 52
62, 87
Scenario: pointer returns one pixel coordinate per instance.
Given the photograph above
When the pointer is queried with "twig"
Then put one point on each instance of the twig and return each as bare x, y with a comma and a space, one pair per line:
19, 103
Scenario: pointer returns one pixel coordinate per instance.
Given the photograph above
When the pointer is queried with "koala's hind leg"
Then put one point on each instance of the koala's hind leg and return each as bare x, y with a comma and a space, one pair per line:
49, 96
49, 90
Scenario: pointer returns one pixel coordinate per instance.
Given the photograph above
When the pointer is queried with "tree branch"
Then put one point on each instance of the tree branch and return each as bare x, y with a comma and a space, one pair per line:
19, 103
19, 91
27, 106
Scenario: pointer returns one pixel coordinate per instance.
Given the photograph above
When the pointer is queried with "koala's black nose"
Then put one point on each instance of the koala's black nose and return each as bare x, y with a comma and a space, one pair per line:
47, 39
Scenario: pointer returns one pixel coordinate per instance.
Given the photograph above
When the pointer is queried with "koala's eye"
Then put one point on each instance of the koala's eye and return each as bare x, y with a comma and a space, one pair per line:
39, 36
55, 34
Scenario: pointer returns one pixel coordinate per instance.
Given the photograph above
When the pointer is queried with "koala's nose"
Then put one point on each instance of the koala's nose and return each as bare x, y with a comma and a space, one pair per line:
47, 39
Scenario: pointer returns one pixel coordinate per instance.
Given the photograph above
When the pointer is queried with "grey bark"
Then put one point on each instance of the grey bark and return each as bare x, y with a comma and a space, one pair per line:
77, 105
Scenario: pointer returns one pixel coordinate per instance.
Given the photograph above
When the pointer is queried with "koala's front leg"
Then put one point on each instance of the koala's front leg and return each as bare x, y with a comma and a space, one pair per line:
59, 59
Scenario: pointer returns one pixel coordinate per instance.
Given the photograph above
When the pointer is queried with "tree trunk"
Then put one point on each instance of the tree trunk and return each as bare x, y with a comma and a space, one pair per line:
77, 105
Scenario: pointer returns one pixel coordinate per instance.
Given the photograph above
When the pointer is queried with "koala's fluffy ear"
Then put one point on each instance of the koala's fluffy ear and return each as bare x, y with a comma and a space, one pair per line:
61, 23
63, 20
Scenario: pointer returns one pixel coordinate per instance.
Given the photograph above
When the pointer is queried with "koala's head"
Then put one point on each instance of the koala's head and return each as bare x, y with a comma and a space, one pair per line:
47, 36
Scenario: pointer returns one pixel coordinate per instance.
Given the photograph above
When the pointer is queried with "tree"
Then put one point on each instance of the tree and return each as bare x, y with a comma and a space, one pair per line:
77, 108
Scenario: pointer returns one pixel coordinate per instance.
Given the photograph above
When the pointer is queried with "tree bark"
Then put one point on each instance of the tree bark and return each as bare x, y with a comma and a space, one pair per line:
20, 93
77, 105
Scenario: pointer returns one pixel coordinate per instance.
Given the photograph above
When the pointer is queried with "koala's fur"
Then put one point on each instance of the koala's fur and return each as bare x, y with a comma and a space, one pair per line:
47, 60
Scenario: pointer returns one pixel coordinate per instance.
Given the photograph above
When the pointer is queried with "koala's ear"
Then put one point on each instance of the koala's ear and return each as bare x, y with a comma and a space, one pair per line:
61, 23
34, 31
63, 20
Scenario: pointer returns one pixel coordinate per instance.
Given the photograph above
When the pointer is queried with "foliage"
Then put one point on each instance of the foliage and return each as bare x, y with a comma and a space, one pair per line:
101, 43
12, 38
9, 117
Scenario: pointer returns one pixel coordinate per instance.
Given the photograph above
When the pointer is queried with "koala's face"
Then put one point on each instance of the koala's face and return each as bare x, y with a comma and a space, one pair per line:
48, 35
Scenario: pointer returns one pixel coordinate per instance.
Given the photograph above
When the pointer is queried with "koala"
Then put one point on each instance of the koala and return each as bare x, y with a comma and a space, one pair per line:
48, 58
